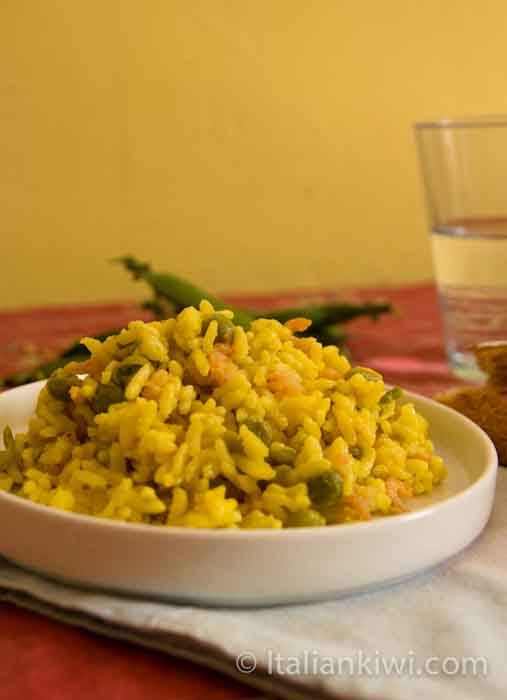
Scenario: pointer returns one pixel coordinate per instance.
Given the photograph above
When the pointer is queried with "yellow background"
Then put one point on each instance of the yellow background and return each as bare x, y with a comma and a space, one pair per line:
247, 144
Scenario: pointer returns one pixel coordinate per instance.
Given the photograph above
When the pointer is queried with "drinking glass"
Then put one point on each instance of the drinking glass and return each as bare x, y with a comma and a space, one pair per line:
464, 167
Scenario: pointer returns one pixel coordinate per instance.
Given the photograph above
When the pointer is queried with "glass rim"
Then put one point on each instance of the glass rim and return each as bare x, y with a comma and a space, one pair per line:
485, 121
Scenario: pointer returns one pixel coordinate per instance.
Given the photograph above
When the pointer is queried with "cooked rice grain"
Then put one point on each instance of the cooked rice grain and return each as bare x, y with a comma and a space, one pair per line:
174, 426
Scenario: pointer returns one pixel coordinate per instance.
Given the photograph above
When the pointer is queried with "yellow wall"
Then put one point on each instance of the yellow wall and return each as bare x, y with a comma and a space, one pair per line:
248, 144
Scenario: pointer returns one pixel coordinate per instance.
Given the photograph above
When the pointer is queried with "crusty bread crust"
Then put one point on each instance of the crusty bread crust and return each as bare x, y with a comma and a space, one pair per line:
486, 406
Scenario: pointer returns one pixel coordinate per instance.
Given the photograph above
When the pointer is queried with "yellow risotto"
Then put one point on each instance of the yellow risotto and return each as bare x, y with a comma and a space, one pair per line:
195, 422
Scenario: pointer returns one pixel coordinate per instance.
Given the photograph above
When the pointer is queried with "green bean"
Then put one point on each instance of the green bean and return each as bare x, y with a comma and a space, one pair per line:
181, 293
178, 291
105, 396
305, 518
330, 313
281, 454
330, 335
326, 489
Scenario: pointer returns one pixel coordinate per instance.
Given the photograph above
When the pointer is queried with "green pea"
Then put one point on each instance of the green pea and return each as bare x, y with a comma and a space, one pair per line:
326, 489
260, 428
124, 373
284, 475
281, 454
8, 437
392, 395
105, 396
356, 451
305, 518
225, 327
59, 387
11, 456
369, 374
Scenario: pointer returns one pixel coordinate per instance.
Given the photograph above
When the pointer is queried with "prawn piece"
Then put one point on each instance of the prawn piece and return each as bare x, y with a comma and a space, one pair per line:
298, 325
360, 505
285, 381
222, 367
341, 462
223, 348
303, 344
396, 490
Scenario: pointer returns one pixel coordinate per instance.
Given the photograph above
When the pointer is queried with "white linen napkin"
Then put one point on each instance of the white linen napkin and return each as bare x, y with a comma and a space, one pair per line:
445, 631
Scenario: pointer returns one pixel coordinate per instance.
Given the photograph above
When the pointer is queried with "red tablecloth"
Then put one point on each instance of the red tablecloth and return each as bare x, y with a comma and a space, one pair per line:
44, 659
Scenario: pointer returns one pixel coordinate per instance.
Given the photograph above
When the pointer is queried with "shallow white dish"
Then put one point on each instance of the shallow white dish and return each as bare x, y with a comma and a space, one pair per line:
257, 567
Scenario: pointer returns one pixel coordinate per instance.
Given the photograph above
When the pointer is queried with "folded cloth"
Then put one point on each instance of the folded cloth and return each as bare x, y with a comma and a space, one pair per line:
439, 636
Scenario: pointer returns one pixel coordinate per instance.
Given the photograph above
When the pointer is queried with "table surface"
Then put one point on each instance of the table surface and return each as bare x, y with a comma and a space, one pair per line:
45, 659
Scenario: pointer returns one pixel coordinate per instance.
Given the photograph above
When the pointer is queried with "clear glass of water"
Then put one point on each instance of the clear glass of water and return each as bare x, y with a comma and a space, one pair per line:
464, 165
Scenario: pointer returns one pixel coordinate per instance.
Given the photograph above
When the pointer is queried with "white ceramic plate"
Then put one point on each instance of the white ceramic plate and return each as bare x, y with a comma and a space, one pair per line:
257, 567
